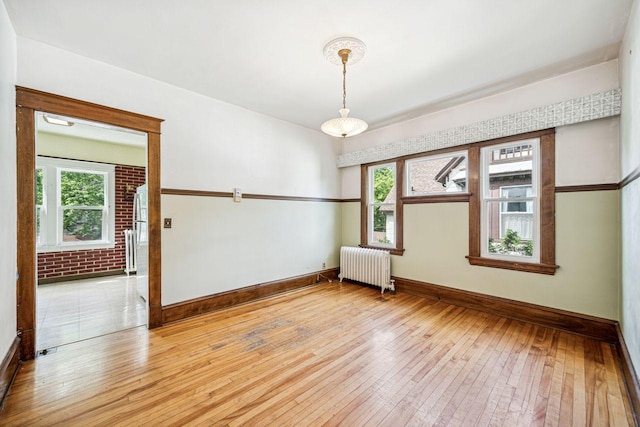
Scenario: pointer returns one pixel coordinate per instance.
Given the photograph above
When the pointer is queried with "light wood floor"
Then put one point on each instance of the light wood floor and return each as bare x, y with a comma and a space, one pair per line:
329, 354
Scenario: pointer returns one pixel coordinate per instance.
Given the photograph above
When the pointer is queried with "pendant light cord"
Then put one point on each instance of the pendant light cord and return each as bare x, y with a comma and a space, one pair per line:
344, 84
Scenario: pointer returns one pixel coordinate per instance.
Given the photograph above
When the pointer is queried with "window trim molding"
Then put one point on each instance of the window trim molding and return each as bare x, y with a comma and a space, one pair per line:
398, 248
547, 207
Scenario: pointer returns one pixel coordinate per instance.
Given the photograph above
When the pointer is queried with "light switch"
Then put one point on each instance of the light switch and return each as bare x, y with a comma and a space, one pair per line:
237, 195
167, 223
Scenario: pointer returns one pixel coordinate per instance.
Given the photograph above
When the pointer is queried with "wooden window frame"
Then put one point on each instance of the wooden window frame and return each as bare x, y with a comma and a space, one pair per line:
364, 207
547, 263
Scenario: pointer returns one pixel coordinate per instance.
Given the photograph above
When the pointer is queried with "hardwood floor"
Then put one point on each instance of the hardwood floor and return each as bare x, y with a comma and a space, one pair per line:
328, 354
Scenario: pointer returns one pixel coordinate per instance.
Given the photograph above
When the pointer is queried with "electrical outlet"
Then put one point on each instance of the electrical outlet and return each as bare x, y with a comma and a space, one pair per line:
324, 265
167, 223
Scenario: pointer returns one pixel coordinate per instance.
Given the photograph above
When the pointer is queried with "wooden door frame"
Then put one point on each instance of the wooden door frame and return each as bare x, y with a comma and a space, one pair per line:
28, 101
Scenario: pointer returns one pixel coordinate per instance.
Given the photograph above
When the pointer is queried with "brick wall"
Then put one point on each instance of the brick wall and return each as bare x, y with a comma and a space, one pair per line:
70, 263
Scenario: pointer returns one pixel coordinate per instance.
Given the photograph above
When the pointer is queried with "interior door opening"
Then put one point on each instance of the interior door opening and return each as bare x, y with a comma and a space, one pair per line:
91, 229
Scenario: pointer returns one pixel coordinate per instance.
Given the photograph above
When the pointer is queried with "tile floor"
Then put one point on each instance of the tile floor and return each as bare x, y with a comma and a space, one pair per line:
81, 309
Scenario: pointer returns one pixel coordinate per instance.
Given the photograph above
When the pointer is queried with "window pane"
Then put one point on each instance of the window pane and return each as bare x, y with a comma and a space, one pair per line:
384, 224
510, 232
511, 167
81, 189
82, 225
39, 187
437, 175
38, 225
384, 179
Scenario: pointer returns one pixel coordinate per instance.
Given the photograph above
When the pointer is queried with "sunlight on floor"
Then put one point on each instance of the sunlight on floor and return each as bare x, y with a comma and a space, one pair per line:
80, 309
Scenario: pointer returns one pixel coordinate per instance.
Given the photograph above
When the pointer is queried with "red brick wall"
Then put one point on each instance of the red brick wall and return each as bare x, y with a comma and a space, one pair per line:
69, 263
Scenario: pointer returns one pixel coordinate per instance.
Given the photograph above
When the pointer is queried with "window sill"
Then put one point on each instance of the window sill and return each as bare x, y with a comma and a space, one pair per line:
392, 251
437, 198
528, 267
76, 247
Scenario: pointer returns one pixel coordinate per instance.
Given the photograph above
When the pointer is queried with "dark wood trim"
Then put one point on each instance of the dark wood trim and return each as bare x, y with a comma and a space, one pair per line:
473, 186
392, 251
547, 263
436, 198
203, 193
57, 104
633, 175
548, 200
630, 376
203, 305
581, 324
68, 278
27, 102
589, 187
399, 226
364, 214
199, 193
350, 200
154, 229
26, 232
9, 369
528, 267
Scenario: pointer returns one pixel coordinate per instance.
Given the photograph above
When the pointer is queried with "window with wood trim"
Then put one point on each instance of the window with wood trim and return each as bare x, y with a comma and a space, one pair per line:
381, 210
512, 203
74, 201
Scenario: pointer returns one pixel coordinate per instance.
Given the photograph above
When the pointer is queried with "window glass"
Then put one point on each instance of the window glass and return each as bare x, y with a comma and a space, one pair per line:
382, 196
82, 196
440, 174
509, 182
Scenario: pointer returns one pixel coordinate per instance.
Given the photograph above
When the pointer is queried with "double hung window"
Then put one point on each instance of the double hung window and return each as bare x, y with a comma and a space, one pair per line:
74, 205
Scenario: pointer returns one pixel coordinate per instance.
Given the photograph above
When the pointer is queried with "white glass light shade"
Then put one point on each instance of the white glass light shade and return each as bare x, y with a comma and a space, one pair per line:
344, 126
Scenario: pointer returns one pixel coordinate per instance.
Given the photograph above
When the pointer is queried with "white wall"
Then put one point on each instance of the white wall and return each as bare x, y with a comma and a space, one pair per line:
246, 243
436, 236
630, 160
7, 182
214, 146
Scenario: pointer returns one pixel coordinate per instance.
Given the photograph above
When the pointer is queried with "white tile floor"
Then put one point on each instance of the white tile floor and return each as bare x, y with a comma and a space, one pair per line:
80, 309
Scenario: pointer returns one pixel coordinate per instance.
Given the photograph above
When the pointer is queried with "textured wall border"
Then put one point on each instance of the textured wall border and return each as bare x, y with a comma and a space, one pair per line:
577, 110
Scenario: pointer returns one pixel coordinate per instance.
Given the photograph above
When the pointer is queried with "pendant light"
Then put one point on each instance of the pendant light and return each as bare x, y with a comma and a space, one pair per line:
339, 52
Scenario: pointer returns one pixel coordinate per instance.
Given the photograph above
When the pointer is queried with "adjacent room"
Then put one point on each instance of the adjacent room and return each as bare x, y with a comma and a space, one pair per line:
320, 213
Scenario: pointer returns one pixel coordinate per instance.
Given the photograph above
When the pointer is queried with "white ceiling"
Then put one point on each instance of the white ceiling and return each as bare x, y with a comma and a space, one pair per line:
266, 56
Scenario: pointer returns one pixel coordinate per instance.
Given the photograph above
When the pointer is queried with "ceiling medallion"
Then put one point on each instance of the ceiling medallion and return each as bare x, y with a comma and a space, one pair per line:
339, 52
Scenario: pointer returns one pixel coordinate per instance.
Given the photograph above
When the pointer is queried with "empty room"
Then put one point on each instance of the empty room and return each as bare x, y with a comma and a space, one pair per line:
320, 213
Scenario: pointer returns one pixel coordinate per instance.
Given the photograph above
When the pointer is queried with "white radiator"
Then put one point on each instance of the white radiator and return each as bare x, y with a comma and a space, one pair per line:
371, 266
129, 251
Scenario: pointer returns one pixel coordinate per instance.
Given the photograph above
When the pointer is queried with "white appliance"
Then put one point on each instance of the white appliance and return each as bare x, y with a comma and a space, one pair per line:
141, 241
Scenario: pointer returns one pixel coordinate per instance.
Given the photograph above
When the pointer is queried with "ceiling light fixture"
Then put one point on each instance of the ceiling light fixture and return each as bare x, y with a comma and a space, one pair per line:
340, 51
56, 121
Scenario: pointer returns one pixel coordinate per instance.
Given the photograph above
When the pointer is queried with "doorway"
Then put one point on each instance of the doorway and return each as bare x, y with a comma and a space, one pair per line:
28, 102
90, 229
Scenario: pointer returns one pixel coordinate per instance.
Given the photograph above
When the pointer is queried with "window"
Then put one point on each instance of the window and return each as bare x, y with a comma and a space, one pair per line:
510, 200
382, 208
512, 203
74, 203
438, 174
517, 215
